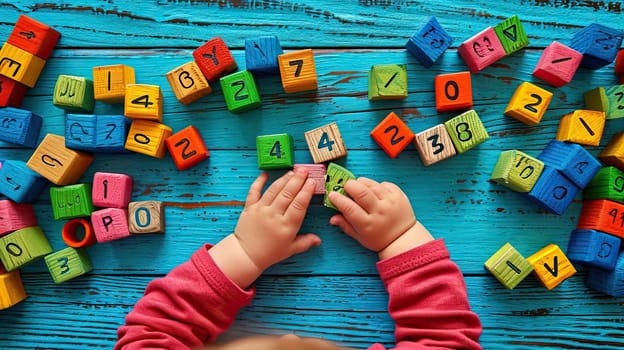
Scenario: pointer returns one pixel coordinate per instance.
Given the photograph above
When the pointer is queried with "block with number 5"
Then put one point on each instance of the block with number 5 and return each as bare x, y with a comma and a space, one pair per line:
466, 131
434, 145
325, 143
275, 151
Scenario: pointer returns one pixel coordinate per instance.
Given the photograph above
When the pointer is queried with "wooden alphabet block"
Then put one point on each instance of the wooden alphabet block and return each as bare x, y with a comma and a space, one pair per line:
109, 82
78, 233
428, 44
582, 126
481, 50
551, 266
34, 37
80, 131
187, 148
619, 64
608, 183
261, 54
608, 282
511, 34
335, 179
146, 217
19, 183
15, 216
22, 247
19, 126
387, 82
317, 173
74, 94
67, 264
593, 248
553, 191
188, 83
214, 59
615, 96
325, 143
71, 201
434, 145
508, 266
275, 151
240, 92
20, 65
57, 163
571, 159
613, 153
96, 133
11, 92
466, 131
298, 71
558, 64
602, 215
392, 135
517, 171
143, 102
528, 103
110, 224
453, 91
148, 137
598, 44
11, 289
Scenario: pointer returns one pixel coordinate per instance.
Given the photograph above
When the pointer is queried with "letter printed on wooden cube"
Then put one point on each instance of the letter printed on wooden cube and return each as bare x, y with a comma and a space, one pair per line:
613, 153
188, 83
78, 233
508, 266
528, 103
11, 92
146, 217
11, 289
19, 183
20, 65
80, 131
187, 148
110, 224
428, 44
615, 98
511, 34
74, 94
34, 37
240, 92
387, 82
275, 151
261, 54
19, 126
602, 215
392, 135
325, 143
551, 266
608, 282
434, 145
143, 101
298, 71
582, 126
15, 216
593, 248
109, 82
57, 163
71, 201
111, 132
214, 59
335, 180
466, 131
517, 170
481, 50
558, 64
67, 264
598, 43
148, 137
317, 173
22, 247
553, 191
453, 91
574, 161
608, 183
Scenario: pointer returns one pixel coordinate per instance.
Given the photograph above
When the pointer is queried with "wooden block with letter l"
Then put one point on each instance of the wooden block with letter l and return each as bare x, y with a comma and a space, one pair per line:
335, 179
325, 143
109, 82
608, 183
557, 64
74, 94
110, 224
466, 131
553, 191
187, 148
261, 54
11, 289
148, 137
434, 145
508, 266
511, 34
453, 91
594, 248
517, 171
392, 135
143, 101
146, 217
298, 71
275, 151
19, 126
57, 163
67, 264
240, 92
551, 266
602, 215
34, 37
19, 183
188, 83
610, 282
22, 247
20, 65
11, 92
428, 44
317, 173
387, 82
72, 201
214, 59
15, 216
574, 161
582, 126
613, 153
598, 44
528, 103
481, 50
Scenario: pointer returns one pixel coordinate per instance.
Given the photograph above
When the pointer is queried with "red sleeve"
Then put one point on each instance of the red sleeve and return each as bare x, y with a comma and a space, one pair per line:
190, 306
428, 300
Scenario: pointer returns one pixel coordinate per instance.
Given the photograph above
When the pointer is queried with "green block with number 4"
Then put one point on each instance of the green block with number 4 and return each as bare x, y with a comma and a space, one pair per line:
275, 151
511, 35
68, 263
240, 92
517, 170
466, 131
22, 247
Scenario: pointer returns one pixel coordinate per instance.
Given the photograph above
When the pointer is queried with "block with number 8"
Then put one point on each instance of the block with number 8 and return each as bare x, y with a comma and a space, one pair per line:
275, 151
434, 145
392, 135
528, 103
298, 71
466, 131
325, 143
143, 102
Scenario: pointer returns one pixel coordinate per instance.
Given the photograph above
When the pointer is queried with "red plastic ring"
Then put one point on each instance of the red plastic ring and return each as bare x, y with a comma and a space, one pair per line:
69, 233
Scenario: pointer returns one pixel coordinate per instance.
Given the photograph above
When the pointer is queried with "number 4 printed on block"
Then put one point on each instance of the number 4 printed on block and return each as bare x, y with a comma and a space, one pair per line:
325, 143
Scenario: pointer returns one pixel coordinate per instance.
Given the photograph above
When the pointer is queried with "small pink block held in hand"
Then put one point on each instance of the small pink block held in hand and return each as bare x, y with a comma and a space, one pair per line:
481, 50
111, 190
110, 224
558, 64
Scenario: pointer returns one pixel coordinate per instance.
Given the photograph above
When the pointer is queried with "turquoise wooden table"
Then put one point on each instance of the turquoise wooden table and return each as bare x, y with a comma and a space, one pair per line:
333, 291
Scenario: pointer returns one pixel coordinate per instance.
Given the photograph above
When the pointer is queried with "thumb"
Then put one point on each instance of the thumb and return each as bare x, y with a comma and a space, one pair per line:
304, 242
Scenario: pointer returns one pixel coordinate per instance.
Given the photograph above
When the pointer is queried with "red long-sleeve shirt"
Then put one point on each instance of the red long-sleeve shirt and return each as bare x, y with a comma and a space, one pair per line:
196, 302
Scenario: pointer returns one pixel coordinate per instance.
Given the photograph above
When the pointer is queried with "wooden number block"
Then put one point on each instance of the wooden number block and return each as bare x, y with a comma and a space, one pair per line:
392, 135
453, 91
517, 171
596, 100
19, 126
240, 92
71, 201
146, 217
298, 71
22, 247
57, 163
143, 102
466, 131
110, 224
387, 82
571, 159
428, 44
602, 215
325, 143
553, 191
14, 216
615, 96
78, 233
317, 173
74, 94
558, 64
275, 151
481, 50
11, 289
599, 45
109, 82
434, 145
261, 54
619, 64
188, 83
111, 132
67, 264
582, 126
528, 103
34, 37
187, 148
335, 180
593, 248
608, 282
214, 59
20, 65
11, 92
511, 34
613, 153
508, 266
551, 266
80, 131
19, 183
148, 137
608, 183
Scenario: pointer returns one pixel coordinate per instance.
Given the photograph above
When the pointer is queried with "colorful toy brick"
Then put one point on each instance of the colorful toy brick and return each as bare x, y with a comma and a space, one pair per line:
110, 224
188, 83
71, 201
261, 54
57, 163
325, 143
240, 92
602, 215
317, 173
19, 183
558, 64
146, 217
19, 126
582, 126
275, 151
598, 44
298, 71
553, 191
392, 135
11, 92
615, 96
20, 65
596, 100
608, 183
11, 289
428, 44
619, 64
109, 82
508, 266
613, 153
34, 37
67, 264
387, 82
528, 103
187, 148
214, 59
551, 266
80, 131
517, 171
96, 133
574, 161
511, 34
481, 50
78, 233
15, 216
466, 131
143, 102
74, 94
434, 145
608, 282
593, 248
148, 137
22, 247
335, 180
453, 91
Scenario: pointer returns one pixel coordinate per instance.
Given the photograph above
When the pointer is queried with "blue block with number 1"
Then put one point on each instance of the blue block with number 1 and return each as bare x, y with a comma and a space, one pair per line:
19, 126
428, 45
553, 191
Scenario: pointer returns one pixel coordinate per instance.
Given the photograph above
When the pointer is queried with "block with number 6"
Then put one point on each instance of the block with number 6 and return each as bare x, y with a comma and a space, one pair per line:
275, 151
466, 131
434, 145
325, 143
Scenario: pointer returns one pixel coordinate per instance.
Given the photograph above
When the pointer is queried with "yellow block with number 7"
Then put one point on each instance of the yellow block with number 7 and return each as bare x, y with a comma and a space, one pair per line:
584, 127
528, 103
551, 266
297, 71
143, 102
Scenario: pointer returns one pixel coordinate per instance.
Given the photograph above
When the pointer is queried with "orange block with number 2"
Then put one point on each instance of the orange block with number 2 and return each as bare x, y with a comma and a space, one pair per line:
298, 71
453, 92
187, 148
392, 135
584, 127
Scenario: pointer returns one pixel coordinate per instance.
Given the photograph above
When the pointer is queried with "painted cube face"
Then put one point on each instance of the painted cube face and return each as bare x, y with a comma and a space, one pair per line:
335, 180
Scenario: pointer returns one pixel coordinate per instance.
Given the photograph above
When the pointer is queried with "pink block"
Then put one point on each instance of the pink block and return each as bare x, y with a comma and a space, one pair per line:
557, 64
316, 172
111, 190
481, 50
110, 224
15, 216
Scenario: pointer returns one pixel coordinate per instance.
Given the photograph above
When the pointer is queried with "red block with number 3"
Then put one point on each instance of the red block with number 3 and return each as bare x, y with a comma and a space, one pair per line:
392, 135
187, 148
602, 215
453, 92
214, 59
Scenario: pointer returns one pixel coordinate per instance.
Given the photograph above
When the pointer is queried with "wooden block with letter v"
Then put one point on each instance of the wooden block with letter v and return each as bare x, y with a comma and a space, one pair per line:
582, 126
143, 102
298, 71
34, 37
392, 135
594, 248
325, 143
22, 247
508, 266
146, 217
551, 266
387, 82
602, 215
20, 65
187, 148
74, 94
434, 145
109, 82
19, 183
557, 64
72, 201
517, 170
15, 216
148, 137
553, 191
608, 183
453, 91
188, 83
466, 131
57, 163
275, 151
528, 103
428, 44
11, 288
20, 127
67, 264
574, 161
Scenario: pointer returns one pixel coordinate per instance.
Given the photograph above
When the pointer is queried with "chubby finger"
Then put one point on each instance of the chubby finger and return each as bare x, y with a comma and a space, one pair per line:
361, 194
304, 242
343, 224
275, 188
290, 191
299, 206
255, 190
373, 185
349, 209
